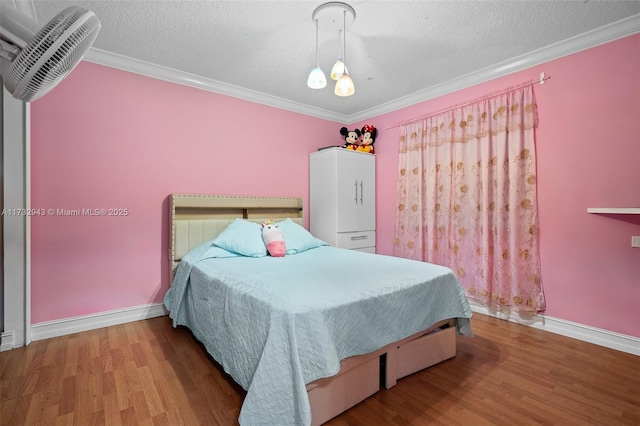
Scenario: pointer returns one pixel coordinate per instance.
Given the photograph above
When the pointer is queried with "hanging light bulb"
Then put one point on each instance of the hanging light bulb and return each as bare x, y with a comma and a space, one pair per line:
344, 85
317, 79
337, 70
338, 67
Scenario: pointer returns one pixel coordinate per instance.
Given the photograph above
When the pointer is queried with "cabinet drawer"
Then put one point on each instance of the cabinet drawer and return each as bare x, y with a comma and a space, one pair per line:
354, 240
371, 249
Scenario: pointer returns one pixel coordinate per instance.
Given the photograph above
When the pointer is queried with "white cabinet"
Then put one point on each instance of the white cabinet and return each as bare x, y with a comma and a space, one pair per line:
342, 198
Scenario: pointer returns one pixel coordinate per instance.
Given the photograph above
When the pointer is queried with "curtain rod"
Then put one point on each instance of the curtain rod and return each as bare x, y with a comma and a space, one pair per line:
543, 78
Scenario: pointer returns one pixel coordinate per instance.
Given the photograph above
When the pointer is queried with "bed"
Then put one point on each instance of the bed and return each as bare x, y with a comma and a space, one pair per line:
315, 332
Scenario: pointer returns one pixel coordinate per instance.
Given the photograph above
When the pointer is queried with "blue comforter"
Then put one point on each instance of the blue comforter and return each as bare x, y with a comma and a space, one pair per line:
277, 324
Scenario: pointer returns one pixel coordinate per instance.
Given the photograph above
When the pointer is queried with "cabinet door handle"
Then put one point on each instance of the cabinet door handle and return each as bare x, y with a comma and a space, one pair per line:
358, 237
361, 192
356, 185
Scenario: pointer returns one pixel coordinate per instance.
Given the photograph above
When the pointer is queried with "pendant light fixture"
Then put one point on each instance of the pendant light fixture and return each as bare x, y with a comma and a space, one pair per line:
338, 67
344, 85
316, 79
330, 17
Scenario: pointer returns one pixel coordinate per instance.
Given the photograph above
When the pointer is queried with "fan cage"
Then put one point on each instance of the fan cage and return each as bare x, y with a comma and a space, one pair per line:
37, 69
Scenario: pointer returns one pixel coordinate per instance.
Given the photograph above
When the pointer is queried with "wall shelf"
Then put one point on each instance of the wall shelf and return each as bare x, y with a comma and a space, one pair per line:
614, 210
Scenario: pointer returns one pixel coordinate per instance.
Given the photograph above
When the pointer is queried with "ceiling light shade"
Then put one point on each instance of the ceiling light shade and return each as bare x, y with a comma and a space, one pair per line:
338, 67
337, 70
316, 79
344, 86
330, 17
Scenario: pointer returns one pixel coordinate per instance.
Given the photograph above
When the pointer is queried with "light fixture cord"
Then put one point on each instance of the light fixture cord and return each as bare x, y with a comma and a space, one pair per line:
344, 39
317, 65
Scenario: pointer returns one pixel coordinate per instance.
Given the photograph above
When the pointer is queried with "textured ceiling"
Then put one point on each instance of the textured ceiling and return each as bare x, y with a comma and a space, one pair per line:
394, 48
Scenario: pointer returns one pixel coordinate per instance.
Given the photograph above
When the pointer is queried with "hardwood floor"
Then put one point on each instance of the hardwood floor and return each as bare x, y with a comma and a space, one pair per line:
147, 373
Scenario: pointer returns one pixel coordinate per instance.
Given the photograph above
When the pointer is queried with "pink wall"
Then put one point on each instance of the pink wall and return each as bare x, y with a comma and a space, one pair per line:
111, 139
588, 152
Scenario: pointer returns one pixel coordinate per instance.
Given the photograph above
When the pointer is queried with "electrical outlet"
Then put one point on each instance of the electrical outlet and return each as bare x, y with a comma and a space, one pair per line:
635, 242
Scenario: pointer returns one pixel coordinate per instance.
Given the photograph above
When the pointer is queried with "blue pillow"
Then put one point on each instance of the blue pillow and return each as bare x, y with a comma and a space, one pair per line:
242, 237
217, 252
296, 238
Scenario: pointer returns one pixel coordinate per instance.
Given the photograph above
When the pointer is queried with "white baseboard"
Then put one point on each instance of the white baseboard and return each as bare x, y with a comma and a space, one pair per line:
45, 330
598, 336
7, 341
61, 327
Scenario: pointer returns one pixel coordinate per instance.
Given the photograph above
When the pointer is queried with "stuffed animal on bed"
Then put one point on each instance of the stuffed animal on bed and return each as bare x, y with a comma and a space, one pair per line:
368, 138
351, 138
273, 238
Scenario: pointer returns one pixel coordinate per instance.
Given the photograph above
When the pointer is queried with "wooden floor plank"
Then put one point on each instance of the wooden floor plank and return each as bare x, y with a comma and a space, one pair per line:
148, 373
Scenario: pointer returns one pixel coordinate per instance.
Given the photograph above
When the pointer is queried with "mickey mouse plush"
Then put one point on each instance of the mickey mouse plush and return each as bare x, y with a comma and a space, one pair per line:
369, 134
351, 138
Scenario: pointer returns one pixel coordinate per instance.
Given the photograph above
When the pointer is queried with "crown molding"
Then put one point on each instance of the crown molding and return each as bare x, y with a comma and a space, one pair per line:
110, 59
596, 37
593, 38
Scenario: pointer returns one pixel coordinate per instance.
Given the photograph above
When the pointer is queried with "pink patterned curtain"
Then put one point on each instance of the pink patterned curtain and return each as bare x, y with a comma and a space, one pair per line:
467, 198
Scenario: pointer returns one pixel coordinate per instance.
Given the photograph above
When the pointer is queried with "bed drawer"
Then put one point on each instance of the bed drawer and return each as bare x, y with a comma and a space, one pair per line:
426, 351
334, 395
356, 240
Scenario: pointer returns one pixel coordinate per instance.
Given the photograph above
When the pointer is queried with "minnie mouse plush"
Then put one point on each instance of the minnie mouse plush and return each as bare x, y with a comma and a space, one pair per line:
368, 138
351, 138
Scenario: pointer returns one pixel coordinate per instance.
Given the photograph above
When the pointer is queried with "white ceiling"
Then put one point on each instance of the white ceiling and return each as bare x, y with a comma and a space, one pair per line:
398, 52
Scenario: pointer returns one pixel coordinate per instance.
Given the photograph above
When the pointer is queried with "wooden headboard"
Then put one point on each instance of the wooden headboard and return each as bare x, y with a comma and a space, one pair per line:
196, 219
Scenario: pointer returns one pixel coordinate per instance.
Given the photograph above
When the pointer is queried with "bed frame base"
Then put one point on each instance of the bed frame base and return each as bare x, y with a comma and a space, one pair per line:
360, 376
